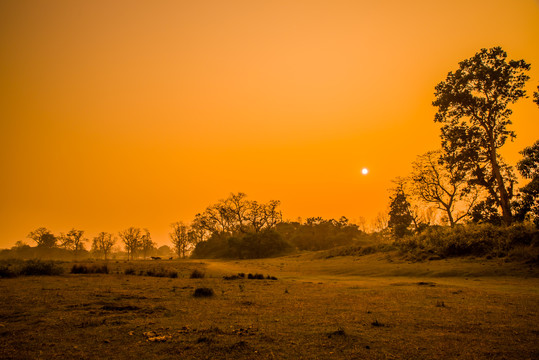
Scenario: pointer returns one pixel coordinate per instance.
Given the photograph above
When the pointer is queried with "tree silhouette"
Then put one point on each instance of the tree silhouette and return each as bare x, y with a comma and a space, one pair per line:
43, 238
103, 242
146, 243
180, 238
400, 214
131, 237
442, 184
73, 240
473, 110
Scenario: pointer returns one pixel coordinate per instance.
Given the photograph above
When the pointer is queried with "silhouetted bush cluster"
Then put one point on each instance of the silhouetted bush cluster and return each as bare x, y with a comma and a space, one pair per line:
152, 272
472, 239
249, 276
319, 234
94, 269
234, 277
263, 244
14, 268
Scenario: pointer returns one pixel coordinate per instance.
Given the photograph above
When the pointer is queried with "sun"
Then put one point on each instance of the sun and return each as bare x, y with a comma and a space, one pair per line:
364, 171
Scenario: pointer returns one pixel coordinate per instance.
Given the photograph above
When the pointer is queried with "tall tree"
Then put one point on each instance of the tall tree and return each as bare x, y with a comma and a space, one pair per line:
536, 96
103, 243
440, 183
43, 237
473, 110
131, 238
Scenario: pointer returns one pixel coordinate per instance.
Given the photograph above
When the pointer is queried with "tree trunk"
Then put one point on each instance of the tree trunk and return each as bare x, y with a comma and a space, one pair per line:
504, 196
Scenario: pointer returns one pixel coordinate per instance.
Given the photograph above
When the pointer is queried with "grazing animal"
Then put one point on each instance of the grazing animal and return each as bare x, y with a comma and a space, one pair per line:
156, 258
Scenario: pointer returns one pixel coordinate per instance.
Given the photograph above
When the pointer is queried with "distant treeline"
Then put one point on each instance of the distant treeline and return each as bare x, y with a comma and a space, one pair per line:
438, 208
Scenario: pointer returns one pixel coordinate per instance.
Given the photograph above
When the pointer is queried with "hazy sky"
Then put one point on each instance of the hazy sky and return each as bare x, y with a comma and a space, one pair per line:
142, 113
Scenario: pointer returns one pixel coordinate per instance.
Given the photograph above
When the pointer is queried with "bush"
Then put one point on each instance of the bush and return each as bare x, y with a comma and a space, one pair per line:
203, 292
129, 271
197, 274
39, 267
83, 269
255, 276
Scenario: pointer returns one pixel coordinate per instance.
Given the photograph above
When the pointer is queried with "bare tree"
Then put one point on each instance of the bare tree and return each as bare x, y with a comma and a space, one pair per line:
132, 239
103, 243
73, 240
272, 215
180, 238
441, 183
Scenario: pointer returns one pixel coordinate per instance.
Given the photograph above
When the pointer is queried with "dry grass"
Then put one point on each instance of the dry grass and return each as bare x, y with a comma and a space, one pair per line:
314, 311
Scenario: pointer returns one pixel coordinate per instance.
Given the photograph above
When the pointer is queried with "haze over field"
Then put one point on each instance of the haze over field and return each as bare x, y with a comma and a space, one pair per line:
130, 113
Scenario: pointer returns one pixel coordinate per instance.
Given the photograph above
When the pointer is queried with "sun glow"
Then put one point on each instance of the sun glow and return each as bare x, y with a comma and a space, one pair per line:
364, 171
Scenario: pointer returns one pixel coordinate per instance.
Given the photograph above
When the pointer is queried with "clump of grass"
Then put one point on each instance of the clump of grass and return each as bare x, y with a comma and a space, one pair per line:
129, 271
83, 269
376, 323
197, 274
339, 332
203, 292
440, 303
40, 267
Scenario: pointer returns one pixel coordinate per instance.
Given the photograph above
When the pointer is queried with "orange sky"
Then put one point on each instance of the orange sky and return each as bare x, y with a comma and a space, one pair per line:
142, 113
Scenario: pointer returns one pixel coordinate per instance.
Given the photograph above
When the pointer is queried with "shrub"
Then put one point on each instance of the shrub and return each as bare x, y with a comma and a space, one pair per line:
129, 271
197, 274
39, 267
203, 292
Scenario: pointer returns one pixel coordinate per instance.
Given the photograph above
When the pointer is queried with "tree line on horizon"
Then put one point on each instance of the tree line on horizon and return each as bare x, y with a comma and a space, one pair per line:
466, 180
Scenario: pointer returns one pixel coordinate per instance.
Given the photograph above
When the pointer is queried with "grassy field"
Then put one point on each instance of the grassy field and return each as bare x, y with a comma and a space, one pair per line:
371, 307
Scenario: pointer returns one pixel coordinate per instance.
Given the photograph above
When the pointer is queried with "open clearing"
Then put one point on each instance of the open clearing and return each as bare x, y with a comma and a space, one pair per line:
371, 307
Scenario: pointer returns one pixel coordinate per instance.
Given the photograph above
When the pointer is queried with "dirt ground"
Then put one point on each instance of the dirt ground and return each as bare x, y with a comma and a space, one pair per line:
370, 307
